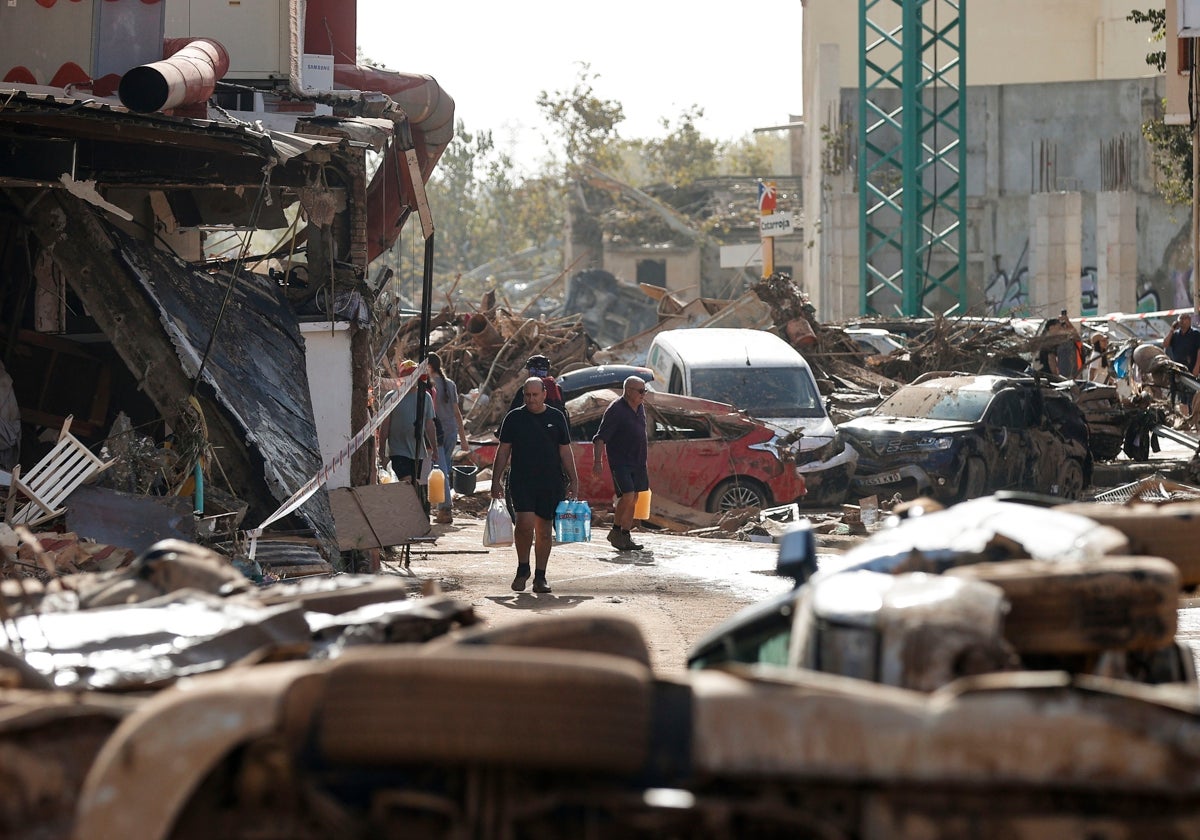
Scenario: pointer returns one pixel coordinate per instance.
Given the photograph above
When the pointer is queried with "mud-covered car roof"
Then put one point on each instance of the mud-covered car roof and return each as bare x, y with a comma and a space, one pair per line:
591, 405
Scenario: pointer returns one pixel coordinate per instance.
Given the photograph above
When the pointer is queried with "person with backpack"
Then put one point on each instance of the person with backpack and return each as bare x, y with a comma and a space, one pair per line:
539, 366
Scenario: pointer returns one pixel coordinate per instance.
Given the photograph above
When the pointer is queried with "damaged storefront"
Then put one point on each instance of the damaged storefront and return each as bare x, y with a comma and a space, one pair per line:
191, 366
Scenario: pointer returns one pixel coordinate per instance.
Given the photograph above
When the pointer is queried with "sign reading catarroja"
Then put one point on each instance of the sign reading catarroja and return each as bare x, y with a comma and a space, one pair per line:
777, 224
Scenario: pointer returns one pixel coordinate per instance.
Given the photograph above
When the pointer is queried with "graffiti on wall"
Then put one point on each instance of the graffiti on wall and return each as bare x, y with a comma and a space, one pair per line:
1006, 292
1008, 296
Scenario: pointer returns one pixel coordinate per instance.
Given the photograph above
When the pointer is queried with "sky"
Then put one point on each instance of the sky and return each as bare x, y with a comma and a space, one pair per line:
657, 58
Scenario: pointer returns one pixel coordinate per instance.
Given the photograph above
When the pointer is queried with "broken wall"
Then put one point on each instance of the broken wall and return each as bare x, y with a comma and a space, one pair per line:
160, 316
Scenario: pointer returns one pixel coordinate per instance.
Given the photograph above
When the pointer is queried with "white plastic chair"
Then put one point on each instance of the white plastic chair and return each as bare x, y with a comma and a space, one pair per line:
52, 479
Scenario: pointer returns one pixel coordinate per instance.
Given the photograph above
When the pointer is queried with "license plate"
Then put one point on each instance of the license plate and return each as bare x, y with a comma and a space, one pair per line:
884, 478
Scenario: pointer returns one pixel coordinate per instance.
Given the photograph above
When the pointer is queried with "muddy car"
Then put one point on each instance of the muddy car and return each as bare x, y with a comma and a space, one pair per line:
959, 436
987, 586
702, 454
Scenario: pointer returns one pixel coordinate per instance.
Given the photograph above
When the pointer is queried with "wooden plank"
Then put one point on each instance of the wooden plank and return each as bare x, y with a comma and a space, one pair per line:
378, 515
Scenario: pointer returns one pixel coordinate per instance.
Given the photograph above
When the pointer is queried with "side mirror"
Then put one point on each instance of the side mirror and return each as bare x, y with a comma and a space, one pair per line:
798, 554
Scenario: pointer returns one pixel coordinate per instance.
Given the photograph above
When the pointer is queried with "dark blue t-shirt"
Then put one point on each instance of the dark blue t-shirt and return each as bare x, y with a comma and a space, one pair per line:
1184, 346
623, 431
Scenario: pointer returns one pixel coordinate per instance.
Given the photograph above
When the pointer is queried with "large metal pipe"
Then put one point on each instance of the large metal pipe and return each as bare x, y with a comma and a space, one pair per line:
187, 75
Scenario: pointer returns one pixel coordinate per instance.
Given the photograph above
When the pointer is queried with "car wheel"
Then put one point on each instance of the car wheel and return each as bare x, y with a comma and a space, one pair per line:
974, 481
734, 493
1070, 484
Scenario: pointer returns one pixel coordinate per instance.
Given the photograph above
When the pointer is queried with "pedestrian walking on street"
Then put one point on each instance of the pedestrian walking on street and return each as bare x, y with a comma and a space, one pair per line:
454, 431
622, 434
399, 430
536, 440
539, 366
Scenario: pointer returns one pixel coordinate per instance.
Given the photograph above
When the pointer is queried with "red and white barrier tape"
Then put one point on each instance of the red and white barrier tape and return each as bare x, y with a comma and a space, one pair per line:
311, 486
1140, 316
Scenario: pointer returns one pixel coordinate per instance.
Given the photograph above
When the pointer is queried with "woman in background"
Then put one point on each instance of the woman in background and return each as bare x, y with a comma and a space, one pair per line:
454, 430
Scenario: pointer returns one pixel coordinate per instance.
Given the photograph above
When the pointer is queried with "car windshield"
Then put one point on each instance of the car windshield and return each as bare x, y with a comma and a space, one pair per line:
760, 391
936, 403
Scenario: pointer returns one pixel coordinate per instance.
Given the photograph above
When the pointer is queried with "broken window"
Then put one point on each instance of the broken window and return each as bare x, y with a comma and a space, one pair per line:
653, 272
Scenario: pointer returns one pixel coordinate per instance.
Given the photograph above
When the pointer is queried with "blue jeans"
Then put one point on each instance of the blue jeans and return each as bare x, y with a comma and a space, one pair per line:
445, 459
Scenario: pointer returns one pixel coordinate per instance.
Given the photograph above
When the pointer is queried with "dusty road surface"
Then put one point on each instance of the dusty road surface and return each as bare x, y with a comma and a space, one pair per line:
676, 589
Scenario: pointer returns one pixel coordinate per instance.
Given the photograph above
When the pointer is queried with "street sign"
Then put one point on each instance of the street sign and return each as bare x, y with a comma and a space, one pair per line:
778, 224
740, 256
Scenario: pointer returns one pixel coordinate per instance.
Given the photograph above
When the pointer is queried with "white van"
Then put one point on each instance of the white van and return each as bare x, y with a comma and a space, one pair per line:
764, 376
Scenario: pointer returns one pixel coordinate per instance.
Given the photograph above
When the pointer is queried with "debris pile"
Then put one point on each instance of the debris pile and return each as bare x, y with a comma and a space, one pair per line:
484, 353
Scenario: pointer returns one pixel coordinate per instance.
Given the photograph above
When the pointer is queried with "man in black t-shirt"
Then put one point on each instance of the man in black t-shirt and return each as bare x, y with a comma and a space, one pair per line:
537, 440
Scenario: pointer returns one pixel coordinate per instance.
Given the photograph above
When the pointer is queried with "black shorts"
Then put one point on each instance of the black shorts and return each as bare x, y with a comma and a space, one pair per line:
630, 479
540, 499
404, 467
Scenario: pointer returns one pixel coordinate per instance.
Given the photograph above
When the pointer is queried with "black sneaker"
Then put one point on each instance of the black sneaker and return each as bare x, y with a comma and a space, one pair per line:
518, 584
540, 584
630, 545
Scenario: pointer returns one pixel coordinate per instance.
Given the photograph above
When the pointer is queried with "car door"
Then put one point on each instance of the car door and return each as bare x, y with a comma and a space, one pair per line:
685, 457
1007, 428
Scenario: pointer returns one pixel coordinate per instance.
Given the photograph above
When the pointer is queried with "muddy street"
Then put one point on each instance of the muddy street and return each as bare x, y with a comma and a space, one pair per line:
676, 590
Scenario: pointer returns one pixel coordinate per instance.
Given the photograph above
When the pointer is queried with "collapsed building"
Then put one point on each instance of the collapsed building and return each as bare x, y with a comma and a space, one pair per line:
185, 241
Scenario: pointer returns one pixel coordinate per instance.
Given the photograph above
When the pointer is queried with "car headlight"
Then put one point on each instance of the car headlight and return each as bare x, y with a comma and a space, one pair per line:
934, 444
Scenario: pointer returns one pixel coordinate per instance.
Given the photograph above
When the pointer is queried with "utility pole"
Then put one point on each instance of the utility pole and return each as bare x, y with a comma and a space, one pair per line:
767, 197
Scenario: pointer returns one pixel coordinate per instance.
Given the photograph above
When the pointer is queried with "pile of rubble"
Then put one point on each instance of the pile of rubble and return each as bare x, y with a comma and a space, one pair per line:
484, 352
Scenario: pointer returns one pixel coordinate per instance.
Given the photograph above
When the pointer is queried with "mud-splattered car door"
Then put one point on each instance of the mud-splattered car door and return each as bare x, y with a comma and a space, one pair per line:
684, 456
1006, 425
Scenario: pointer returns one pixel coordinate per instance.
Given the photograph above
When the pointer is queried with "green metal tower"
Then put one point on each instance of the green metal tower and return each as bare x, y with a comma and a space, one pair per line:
912, 156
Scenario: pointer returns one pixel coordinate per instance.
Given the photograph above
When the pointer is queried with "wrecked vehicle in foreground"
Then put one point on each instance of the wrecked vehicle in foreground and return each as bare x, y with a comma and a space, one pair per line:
421, 740
986, 586
961, 436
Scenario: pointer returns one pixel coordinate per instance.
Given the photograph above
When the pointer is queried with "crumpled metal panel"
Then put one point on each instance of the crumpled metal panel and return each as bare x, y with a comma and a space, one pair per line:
152, 643
256, 368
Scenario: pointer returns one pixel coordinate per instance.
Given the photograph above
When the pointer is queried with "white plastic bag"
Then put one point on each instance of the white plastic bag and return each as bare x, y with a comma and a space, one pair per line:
498, 527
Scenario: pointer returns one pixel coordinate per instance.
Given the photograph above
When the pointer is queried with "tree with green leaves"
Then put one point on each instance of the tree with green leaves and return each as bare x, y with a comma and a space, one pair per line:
683, 155
585, 124
1170, 145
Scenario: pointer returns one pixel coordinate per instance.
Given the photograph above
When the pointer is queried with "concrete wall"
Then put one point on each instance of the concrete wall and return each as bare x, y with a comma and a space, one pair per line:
1116, 252
1031, 138
682, 266
1008, 41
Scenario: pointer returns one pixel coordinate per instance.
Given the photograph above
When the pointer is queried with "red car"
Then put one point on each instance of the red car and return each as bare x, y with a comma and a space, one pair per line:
702, 454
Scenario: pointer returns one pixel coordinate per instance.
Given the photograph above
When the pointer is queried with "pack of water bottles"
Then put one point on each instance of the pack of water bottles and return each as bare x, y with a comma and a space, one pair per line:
573, 521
